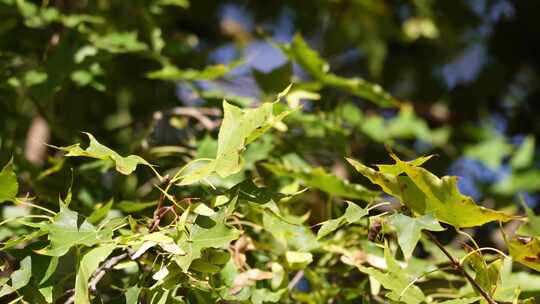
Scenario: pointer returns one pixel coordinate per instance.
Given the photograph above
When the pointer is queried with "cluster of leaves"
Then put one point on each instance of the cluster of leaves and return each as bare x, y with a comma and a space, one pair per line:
264, 209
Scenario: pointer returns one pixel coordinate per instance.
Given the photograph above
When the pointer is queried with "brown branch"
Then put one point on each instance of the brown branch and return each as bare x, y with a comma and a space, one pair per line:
98, 275
457, 266
199, 113
157, 217
297, 277
100, 272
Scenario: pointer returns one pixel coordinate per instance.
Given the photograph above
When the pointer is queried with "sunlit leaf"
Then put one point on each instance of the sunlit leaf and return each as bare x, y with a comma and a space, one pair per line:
487, 274
526, 251
263, 295
532, 226
490, 151
409, 230
296, 237
298, 257
523, 157
118, 42
8, 183
238, 129
352, 214
125, 165
395, 280
19, 278
212, 234
89, 263
171, 72
66, 232
132, 295
424, 193
249, 278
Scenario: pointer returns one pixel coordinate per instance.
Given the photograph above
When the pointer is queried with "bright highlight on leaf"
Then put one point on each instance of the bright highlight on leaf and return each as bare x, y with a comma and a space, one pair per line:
239, 128
424, 193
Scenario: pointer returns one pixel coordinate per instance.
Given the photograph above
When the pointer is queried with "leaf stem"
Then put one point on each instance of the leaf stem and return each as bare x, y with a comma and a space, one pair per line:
456, 264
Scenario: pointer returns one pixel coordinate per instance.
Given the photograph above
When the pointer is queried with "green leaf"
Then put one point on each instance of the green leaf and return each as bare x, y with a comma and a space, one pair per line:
125, 165
118, 42
217, 235
517, 181
299, 51
64, 233
132, 295
352, 214
409, 126
262, 295
89, 264
49, 271
295, 237
180, 3
130, 207
238, 129
512, 281
409, 229
237, 125
8, 183
19, 278
320, 179
490, 152
100, 213
526, 251
298, 257
202, 209
211, 72
487, 275
248, 191
532, 226
425, 193
396, 280
523, 157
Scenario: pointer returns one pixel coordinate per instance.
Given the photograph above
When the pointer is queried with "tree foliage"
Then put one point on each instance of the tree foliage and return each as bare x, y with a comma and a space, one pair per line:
208, 176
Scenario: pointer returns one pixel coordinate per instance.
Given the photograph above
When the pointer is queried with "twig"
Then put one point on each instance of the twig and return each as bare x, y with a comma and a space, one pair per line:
157, 217
98, 275
457, 265
297, 277
201, 114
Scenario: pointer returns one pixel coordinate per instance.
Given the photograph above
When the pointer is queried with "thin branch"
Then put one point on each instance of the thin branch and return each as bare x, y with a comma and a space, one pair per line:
100, 272
297, 277
98, 275
457, 265
199, 113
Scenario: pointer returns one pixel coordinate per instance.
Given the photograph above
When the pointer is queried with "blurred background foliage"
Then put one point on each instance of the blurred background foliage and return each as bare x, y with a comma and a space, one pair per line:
459, 79
465, 74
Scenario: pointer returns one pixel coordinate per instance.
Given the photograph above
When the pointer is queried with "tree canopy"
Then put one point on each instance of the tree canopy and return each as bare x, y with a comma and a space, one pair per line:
176, 151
